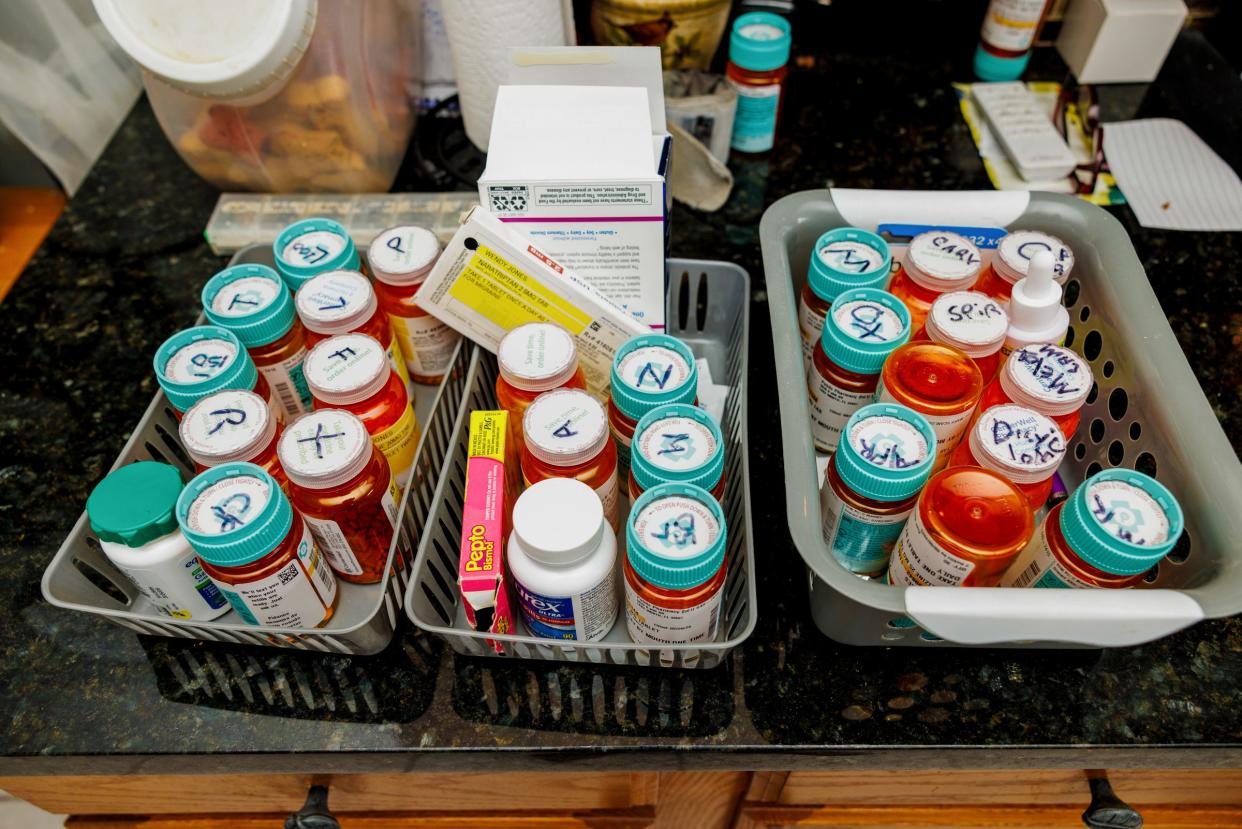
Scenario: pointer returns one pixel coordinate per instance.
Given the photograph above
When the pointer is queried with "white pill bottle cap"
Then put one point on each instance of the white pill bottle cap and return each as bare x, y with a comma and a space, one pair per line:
1036, 314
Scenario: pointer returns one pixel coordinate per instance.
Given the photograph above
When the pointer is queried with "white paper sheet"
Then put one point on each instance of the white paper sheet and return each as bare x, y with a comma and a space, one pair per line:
1171, 178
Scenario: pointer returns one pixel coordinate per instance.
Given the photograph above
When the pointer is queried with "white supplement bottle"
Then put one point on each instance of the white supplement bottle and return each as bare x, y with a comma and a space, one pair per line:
132, 511
563, 555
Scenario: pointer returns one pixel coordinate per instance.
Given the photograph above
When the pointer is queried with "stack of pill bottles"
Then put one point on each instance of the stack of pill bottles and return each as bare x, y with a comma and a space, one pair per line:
533, 359
842, 258
198, 362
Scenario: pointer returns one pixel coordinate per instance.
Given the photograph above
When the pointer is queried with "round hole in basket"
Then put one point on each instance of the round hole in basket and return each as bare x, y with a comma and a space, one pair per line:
1108, 368
1097, 430
1080, 451
1136, 429
1152, 574
1084, 314
1071, 293
1092, 468
1116, 453
1118, 403
1146, 463
892, 636
1181, 550
1091, 344
1069, 336
1093, 394
927, 636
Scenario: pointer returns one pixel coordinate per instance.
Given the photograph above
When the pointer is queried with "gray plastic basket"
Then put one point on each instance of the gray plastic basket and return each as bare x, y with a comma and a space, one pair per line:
709, 309
80, 577
1148, 412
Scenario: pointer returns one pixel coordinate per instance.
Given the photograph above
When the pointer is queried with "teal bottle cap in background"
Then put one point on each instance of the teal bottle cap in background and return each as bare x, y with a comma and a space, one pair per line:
234, 514
990, 67
196, 362
864, 326
677, 443
886, 452
1121, 521
651, 370
251, 301
313, 246
136, 504
675, 536
845, 258
760, 41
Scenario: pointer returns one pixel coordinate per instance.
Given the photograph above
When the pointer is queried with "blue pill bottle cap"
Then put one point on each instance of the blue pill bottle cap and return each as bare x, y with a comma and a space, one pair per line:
261, 314
234, 514
331, 252
990, 67
864, 326
760, 41
677, 443
222, 364
886, 452
650, 370
675, 536
1121, 521
829, 275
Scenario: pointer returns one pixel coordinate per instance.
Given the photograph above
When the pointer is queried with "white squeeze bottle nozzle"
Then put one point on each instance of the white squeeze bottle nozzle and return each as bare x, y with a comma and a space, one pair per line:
1036, 314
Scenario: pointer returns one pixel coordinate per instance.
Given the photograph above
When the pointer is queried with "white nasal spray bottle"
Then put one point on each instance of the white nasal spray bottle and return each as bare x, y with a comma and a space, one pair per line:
1036, 314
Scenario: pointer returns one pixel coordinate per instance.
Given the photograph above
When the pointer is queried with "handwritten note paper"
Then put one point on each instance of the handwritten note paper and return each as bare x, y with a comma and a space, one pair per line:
1171, 178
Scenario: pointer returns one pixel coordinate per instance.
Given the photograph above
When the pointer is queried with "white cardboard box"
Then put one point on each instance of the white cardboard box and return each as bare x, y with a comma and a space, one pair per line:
577, 162
1119, 41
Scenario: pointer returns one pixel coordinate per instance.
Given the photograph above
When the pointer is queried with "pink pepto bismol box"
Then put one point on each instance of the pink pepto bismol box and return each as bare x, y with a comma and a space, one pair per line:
490, 487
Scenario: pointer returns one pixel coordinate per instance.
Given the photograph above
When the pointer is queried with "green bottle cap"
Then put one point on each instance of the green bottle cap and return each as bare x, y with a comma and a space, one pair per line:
135, 504
196, 362
864, 326
677, 443
886, 452
234, 514
1121, 521
252, 302
313, 246
651, 370
675, 536
845, 258
760, 41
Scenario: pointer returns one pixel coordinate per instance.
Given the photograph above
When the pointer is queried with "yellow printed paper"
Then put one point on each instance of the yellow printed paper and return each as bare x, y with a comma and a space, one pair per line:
503, 293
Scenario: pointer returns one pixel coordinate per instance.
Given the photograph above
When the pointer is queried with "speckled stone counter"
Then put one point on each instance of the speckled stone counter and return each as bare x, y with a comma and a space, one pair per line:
122, 270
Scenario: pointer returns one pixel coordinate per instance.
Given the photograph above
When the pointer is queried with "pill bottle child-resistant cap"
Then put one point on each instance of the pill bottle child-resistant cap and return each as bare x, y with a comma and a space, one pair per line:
1035, 310
760, 41
227, 426
347, 368
675, 537
942, 261
972, 322
559, 521
1019, 443
537, 356
198, 361
1048, 378
403, 255
1121, 521
677, 443
990, 67
324, 449
864, 326
312, 246
886, 452
336, 302
651, 370
845, 258
234, 514
252, 302
565, 427
136, 504
1013, 255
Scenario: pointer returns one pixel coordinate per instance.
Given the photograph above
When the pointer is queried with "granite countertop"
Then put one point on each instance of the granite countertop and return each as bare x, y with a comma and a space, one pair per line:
122, 269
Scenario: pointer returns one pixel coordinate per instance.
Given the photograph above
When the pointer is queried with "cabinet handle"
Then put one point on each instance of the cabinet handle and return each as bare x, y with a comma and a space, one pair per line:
314, 813
1107, 811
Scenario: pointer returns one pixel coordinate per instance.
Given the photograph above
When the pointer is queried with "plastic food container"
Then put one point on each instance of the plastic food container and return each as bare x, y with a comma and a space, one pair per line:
279, 96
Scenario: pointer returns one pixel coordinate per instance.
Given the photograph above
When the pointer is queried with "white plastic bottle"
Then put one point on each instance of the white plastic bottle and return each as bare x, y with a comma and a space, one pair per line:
563, 554
1036, 314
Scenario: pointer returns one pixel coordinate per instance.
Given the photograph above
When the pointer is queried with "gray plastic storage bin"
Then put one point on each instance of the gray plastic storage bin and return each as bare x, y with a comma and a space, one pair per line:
1148, 410
709, 309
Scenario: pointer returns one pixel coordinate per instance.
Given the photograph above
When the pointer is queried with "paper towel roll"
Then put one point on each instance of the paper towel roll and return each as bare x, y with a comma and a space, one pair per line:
480, 34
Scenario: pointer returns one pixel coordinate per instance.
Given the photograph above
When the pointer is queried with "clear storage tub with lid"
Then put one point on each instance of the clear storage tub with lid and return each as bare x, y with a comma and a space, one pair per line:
279, 96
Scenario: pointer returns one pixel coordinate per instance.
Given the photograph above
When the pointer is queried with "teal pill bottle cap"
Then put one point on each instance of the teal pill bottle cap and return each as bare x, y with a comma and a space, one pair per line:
990, 67
675, 536
234, 514
838, 265
313, 246
760, 41
677, 443
136, 504
886, 452
650, 370
251, 301
864, 326
196, 362
1121, 521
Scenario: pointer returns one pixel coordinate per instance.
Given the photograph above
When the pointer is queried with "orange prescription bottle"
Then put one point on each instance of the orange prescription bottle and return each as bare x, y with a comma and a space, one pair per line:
1019, 444
253, 303
566, 436
675, 566
1109, 533
351, 372
863, 327
759, 46
343, 487
971, 322
1049, 379
313, 246
256, 548
1013, 259
936, 262
842, 258
940, 383
677, 444
400, 259
232, 426
648, 371
969, 526
196, 362
342, 302
534, 358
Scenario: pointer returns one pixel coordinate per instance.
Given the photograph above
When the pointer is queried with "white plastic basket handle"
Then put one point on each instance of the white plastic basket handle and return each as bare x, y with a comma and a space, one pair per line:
966, 208
1102, 618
